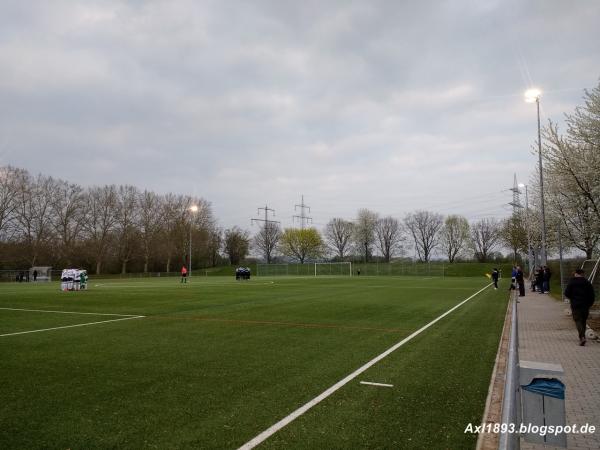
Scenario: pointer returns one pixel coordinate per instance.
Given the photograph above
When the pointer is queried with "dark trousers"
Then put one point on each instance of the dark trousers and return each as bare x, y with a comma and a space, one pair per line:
521, 288
580, 316
495, 282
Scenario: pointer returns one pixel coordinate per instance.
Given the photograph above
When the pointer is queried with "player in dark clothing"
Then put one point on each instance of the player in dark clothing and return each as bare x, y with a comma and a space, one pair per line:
580, 293
495, 277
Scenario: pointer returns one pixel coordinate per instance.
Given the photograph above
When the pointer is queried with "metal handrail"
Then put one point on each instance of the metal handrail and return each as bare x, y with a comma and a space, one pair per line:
510, 402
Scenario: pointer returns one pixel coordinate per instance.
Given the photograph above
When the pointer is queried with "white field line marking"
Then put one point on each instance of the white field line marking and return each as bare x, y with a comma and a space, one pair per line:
294, 415
376, 384
72, 326
70, 312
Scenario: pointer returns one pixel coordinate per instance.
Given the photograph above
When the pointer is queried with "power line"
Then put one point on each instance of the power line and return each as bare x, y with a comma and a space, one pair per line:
303, 217
266, 220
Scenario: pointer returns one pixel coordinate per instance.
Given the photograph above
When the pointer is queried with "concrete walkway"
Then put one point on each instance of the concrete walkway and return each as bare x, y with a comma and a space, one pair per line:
547, 335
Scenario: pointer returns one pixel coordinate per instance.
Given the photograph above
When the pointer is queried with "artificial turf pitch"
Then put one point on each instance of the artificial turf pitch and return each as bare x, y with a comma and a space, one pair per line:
215, 362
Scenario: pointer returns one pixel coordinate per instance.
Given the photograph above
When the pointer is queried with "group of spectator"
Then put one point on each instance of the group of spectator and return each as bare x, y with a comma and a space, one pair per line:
23, 276
541, 281
579, 291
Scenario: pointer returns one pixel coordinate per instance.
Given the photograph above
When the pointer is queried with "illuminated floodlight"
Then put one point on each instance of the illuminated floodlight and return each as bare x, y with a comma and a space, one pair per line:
532, 95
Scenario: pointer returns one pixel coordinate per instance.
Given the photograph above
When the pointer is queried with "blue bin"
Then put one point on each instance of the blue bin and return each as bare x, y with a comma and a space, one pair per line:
548, 387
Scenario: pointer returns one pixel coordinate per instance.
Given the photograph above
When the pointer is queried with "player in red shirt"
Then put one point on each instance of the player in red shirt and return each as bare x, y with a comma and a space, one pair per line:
184, 274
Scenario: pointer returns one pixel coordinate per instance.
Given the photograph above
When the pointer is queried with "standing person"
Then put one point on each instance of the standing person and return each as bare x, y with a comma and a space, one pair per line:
539, 279
495, 277
513, 278
184, 274
580, 293
546, 279
520, 281
34, 276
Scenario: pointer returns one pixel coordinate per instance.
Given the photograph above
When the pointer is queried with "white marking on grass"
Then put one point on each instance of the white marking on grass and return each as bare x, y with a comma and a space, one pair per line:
69, 312
297, 413
370, 383
72, 326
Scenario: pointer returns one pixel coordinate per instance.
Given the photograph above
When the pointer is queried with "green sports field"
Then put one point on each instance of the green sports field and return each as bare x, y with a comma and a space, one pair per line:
214, 363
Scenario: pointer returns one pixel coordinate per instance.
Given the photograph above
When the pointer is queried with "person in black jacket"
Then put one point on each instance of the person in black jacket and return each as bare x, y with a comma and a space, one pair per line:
495, 275
546, 279
580, 293
520, 281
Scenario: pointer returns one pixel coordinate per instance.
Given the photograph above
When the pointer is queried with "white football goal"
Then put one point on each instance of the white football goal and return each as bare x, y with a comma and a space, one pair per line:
308, 269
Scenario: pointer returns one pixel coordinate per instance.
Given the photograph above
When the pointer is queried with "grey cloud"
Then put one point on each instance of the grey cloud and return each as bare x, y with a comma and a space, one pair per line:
355, 104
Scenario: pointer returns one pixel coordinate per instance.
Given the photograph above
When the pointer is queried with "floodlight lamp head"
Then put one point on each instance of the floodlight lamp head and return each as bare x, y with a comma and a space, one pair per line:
532, 95
194, 208
521, 185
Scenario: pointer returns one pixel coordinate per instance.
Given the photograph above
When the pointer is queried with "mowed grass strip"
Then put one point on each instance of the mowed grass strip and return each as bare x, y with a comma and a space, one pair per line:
161, 383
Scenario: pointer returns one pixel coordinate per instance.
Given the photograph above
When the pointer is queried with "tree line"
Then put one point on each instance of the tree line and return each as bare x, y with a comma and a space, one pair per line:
49, 221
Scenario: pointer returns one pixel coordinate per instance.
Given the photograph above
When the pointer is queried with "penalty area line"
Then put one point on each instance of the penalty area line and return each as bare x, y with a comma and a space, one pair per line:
304, 408
72, 326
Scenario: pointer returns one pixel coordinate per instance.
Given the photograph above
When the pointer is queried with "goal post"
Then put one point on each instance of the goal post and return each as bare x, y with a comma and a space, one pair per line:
333, 268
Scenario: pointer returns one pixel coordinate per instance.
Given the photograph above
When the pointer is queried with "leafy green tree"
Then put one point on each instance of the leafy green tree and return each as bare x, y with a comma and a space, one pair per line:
513, 233
301, 244
455, 236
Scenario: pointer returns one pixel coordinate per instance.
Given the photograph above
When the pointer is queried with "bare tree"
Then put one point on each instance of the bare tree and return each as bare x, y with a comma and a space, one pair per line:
215, 241
424, 226
67, 206
100, 221
454, 236
485, 235
364, 232
203, 224
174, 213
127, 218
266, 240
389, 236
33, 215
9, 190
338, 234
150, 220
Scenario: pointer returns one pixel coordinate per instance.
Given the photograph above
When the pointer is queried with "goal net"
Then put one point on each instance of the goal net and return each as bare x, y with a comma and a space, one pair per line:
308, 269
337, 268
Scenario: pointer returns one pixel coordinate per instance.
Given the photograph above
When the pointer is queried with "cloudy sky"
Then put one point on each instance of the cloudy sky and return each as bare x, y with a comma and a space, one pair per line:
388, 105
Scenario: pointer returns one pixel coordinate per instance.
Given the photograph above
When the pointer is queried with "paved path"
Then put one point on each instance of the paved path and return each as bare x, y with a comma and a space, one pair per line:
546, 334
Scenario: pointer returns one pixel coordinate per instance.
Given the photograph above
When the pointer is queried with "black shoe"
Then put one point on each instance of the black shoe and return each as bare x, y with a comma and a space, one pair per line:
582, 341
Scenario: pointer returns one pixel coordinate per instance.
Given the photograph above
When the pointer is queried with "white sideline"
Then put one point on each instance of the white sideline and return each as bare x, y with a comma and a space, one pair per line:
73, 326
69, 312
294, 415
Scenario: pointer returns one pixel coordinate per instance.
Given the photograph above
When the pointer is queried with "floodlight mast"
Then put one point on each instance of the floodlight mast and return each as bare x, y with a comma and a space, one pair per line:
533, 95
193, 209
529, 255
